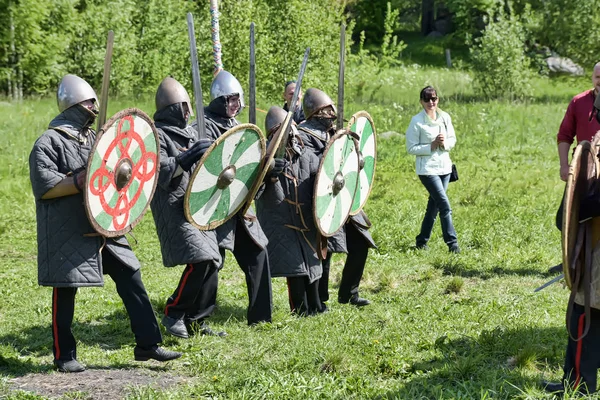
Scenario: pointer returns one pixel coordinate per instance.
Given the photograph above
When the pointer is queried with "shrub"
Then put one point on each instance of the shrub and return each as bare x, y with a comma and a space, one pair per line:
499, 61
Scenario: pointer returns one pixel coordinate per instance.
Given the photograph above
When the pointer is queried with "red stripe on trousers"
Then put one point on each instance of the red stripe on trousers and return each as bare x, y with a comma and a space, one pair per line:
578, 353
189, 270
54, 325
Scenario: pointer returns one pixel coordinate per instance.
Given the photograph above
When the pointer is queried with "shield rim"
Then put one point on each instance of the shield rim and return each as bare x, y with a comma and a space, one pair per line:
267, 158
568, 232
352, 120
99, 134
595, 144
188, 192
316, 184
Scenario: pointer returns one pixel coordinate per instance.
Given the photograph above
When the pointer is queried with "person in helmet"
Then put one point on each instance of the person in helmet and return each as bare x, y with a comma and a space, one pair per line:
242, 234
288, 95
284, 209
354, 238
70, 255
180, 242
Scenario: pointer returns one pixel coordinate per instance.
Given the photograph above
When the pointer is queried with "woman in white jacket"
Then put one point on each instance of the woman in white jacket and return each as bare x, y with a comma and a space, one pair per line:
430, 136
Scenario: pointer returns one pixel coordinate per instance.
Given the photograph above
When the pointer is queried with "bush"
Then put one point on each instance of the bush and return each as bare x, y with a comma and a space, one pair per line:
499, 61
40, 41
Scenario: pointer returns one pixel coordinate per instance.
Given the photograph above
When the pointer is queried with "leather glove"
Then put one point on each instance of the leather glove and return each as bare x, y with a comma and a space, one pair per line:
188, 158
279, 165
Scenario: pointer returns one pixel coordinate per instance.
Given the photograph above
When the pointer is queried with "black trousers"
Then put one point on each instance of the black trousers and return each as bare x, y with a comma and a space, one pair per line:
195, 297
358, 249
131, 290
254, 261
583, 357
303, 296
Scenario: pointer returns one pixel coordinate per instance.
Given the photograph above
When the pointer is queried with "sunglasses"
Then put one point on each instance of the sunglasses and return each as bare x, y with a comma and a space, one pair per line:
428, 99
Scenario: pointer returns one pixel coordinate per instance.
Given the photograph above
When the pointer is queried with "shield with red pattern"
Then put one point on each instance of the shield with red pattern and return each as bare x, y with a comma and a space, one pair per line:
122, 172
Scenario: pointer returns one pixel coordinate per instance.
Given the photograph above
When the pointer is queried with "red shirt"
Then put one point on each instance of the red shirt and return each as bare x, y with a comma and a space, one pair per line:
580, 119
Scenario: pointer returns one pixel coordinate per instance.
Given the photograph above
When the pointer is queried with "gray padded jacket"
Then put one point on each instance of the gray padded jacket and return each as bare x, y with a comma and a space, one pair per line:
180, 241
69, 250
284, 210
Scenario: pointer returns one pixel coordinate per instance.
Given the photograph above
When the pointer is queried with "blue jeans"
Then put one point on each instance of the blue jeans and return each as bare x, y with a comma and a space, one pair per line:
438, 201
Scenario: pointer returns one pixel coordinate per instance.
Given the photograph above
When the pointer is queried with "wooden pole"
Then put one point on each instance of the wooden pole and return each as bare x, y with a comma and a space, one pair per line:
448, 59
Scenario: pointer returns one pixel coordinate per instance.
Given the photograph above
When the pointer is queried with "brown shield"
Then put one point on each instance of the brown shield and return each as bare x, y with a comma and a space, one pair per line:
583, 171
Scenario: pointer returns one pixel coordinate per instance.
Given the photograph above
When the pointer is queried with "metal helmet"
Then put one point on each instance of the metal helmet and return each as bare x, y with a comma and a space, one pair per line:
225, 84
314, 101
171, 92
73, 90
274, 119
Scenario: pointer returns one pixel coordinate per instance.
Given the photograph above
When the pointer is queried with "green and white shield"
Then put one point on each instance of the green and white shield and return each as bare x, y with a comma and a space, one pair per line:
362, 124
122, 172
336, 184
274, 144
226, 173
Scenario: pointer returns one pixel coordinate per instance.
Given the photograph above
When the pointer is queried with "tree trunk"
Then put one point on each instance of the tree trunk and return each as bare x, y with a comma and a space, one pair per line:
427, 16
12, 54
8, 84
19, 80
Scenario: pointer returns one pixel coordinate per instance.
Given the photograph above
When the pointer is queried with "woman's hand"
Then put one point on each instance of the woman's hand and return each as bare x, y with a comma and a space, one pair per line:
438, 142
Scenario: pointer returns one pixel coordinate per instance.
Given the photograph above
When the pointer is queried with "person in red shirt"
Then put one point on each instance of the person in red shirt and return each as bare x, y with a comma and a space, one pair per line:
582, 357
579, 121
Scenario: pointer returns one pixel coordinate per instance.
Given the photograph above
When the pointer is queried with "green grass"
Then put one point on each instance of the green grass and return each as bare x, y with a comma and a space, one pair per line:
441, 326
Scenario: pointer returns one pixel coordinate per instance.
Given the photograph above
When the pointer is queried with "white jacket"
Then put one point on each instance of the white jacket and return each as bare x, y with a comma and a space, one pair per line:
421, 132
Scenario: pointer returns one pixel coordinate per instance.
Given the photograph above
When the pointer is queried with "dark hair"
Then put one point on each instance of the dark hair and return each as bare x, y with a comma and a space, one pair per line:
288, 83
427, 92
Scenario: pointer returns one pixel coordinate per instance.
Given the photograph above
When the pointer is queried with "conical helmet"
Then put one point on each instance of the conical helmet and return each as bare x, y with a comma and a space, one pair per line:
314, 101
170, 91
73, 90
274, 119
225, 84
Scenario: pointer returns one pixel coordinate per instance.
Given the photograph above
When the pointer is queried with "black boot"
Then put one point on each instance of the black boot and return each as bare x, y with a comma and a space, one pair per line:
155, 353
175, 327
553, 387
68, 366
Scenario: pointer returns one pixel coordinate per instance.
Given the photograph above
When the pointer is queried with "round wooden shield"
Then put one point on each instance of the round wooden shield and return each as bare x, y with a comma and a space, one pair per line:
222, 181
596, 149
336, 184
582, 172
362, 124
274, 144
122, 172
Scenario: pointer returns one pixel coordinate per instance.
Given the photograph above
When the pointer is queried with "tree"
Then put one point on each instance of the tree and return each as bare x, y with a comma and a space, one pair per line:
427, 16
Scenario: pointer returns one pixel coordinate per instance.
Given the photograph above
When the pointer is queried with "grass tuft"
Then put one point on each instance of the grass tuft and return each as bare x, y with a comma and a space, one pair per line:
455, 285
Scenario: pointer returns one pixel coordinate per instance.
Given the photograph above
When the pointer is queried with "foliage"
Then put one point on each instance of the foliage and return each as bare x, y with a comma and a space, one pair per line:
470, 16
370, 16
53, 38
562, 26
390, 46
499, 61
569, 29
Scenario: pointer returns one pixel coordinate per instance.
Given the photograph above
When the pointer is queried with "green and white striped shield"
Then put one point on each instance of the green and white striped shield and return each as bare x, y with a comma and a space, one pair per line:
335, 184
362, 124
122, 172
221, 183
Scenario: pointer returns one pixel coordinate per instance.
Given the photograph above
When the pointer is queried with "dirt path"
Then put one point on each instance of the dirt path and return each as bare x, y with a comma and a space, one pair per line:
94, 384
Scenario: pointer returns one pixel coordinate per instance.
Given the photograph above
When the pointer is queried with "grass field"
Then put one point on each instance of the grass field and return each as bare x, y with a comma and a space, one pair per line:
441, 326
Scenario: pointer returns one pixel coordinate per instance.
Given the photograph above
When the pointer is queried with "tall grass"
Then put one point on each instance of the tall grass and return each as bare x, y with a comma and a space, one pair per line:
491, 338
